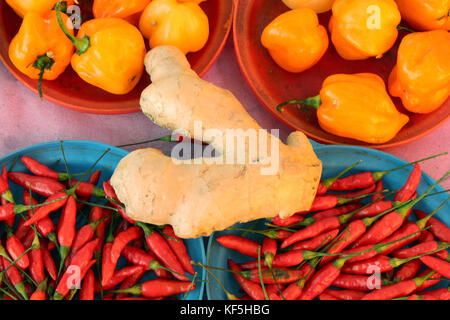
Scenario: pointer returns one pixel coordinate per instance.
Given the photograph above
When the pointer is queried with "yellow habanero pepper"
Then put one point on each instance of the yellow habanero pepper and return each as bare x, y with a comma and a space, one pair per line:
361, 29
110, 53
21, 7
295, 39
40, 49
177, 23
426, 15
118, 8
356, 106
318, 6
421, 77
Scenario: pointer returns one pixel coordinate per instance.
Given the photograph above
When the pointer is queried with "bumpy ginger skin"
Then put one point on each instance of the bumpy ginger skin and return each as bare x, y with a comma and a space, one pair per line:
198, 199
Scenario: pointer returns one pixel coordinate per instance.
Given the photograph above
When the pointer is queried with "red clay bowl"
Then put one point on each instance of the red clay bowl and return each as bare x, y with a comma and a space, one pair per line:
70, 91
272, 85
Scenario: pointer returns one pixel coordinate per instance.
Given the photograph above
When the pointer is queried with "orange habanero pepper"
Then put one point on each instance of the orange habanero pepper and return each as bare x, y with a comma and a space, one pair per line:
421, 77
129, 10
295, 39
356, 106
177, 23
40, 49
110, 53
318, 6
22, 7
426, 15
361, 29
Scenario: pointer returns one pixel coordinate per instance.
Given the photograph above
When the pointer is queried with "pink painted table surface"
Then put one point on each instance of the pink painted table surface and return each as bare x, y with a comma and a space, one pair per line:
25, 120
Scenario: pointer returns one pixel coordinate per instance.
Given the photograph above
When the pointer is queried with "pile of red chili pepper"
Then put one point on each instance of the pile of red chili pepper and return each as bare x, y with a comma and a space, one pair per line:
64, 241
356, 243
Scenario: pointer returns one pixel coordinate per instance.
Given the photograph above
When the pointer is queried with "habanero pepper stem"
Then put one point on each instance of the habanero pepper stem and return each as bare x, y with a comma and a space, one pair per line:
82, 44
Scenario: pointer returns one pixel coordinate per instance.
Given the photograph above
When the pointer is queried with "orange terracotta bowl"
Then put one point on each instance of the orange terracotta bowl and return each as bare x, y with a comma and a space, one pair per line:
70, 91
272, 85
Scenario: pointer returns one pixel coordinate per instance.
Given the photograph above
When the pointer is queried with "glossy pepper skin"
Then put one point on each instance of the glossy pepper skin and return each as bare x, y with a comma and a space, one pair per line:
129, 10
295, 40
361, 29
40, 48
421, 77
114, 60
425, 15
178, 23
318, 6
22, 7
356, 106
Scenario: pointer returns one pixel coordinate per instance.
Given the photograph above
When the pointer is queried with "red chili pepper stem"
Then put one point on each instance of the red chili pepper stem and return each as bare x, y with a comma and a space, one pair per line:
423, 222
82, 44
165, 138
270, 233
328, 182
8, 196
346, 200
260, 274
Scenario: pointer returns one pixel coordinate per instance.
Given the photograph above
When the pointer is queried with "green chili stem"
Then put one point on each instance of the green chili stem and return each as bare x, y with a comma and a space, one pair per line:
314, 102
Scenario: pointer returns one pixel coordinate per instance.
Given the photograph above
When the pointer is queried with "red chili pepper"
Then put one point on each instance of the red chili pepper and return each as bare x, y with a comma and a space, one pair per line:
87, 289
253, 289
438, 229
379, 186
130, 282
421, 248
159, 246
337, 211
277, 275
67, 230
22, 230
345, 294
15, 249
294, 290
43, 186
374, 209
53, 205
179, 248
107, 265
440, 266
399, 289
110, 194
95, 215
354, 230
433, 280
81, 261
269, 250
86, 189
159, 288
426, 236
45, 226
42, 170
356, 281
387, 225
84, 235
121, 275
287, 221
325, 184
7, 211
14, 277
314, 243
410, 187
41, 291
437, 294
5, 192
285, 259
243, 245
122, 239
49, 263
360, 193
139, 257
36, 268
408, 271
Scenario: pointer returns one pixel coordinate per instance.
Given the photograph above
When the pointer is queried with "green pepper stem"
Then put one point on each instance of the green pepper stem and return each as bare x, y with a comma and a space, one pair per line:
82, 44
42, 63
380, 174
165, 138
423, 222
314, 102
328, 182
401, 28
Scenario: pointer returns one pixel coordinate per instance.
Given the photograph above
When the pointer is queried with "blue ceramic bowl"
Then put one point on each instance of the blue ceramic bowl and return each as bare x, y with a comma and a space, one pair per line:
335, 158
80, 156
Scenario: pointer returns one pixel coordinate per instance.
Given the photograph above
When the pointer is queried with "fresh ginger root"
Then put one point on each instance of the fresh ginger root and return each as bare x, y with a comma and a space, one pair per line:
199, 198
